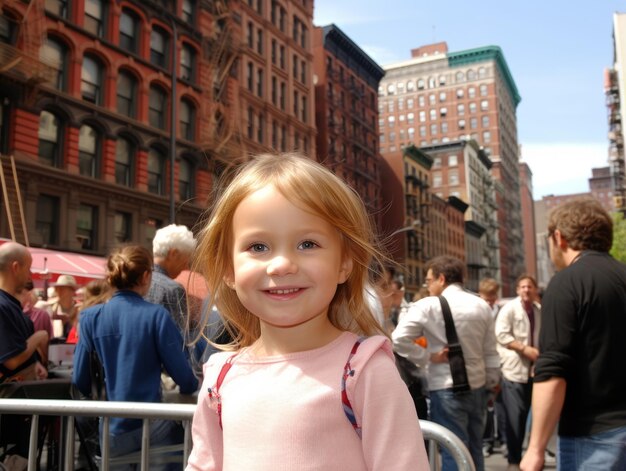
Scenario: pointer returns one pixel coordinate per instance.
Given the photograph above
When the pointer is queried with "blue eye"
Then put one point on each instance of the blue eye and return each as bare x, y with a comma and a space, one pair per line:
308, 244
258, 247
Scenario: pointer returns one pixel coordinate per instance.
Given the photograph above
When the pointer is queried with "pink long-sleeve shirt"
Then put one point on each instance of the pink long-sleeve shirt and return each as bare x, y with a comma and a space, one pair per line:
285, 413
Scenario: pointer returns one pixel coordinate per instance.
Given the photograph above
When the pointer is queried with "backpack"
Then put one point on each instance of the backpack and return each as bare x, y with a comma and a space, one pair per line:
345, 400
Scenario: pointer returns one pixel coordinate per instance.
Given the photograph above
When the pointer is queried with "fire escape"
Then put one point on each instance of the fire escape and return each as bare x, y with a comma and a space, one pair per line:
616, 140
222, 49
21, 73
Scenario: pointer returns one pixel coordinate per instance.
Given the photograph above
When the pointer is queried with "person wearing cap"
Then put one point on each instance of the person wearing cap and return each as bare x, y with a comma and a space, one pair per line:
172, 248
64, 308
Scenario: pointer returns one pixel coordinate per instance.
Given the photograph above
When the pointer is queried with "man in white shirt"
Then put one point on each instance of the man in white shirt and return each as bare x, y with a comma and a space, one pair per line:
463, 412
517, 334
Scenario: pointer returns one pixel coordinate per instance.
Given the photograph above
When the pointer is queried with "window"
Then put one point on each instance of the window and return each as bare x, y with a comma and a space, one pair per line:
259, 82
129, 29
410, 118
471, 92
91, 80
433, 129
433, 114
461, 124
7, 29
156, 169
58, 7
482, 72
453, 177
187, 63
86, 226
436, 180
444, 127
188, 11
47, 219
484, 105
486, 137
187, 120
184, 180
259, 41
126, 93
250, 122
453, 160
410, 103
250, 76
157, 107
88, 151
250, 34
460, 77
124, 153
485, 121
472, 107
122, 226
483, 90
421, 101
460, 93
49, 139
443, 112
473, 123
410, 86
471, 74
460, 109
422, 116
432, 99
94, 17
260, 130
392, 121
159, 47
54, 53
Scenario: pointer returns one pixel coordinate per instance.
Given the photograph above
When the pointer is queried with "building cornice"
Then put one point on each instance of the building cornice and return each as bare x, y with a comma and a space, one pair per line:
481, 54
333, 34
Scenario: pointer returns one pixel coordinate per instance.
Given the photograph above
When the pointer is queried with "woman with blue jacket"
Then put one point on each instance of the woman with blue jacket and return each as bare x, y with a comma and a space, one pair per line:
134, 340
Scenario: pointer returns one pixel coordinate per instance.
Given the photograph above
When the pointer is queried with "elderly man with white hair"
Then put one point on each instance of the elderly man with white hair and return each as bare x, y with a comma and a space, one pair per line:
172, 247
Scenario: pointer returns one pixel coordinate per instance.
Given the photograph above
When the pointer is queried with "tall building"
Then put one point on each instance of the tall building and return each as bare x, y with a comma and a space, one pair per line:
438, 96
601, 186
107, 110
276, 96
407, 219
462, 169
615, 90
528, 219
346, 111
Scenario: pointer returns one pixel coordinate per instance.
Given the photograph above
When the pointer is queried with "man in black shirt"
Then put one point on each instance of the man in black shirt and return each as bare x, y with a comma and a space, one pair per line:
580, 375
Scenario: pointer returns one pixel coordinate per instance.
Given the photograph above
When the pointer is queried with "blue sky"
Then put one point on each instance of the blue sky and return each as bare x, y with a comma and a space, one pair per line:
556, 50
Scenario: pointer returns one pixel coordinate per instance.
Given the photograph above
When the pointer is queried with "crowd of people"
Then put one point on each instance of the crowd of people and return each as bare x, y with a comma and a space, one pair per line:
307, 354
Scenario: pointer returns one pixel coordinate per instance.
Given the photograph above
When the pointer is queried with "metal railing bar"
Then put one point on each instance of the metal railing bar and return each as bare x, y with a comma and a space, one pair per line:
34, 441
69, 443
145, 445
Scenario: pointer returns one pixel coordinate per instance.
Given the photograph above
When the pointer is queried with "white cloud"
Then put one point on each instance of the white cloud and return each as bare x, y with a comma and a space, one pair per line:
563, 168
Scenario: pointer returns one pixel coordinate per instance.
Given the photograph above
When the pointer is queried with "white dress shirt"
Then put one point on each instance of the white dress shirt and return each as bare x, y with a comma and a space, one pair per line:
475, 329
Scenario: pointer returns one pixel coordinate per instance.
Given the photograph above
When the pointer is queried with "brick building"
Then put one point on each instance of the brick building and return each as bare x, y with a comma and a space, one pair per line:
346, 110
275, 108
528, 219
88, 108
438, 96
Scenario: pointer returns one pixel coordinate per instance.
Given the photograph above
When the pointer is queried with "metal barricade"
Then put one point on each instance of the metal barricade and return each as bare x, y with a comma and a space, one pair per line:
435, 433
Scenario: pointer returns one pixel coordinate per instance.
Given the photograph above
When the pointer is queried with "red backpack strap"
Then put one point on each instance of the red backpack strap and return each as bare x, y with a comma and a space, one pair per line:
214, 392
345, 400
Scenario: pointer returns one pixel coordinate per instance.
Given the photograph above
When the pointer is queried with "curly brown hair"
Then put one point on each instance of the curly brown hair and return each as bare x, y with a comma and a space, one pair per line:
583, 223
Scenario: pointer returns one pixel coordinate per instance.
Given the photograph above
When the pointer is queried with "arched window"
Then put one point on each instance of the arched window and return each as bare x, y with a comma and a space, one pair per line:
156, 171
124, 158
482, 72
50, 141
188, 63
91, 86
88, 161
185, 183
95, 17
460, 77
58, 7
187, 120
157, 107
54, 53
471, 74
188, 10
159, 47
127, 94
129, 31
8, 29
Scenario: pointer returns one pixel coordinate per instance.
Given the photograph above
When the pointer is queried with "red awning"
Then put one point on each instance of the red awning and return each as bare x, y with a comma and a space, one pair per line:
50, 264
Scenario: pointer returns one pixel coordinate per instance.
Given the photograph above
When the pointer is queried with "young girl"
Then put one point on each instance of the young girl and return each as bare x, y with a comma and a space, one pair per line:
286, 253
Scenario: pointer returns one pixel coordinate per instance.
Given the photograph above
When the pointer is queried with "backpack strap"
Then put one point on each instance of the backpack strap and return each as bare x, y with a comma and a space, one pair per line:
214, 393
345, 400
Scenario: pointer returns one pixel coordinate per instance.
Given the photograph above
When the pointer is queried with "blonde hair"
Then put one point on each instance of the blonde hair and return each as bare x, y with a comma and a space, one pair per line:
314, 188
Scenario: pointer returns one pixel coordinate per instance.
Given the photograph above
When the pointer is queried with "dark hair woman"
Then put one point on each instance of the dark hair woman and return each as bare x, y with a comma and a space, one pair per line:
134, 339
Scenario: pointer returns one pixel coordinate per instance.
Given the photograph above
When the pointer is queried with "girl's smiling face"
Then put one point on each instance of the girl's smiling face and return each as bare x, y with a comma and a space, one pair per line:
287, 262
